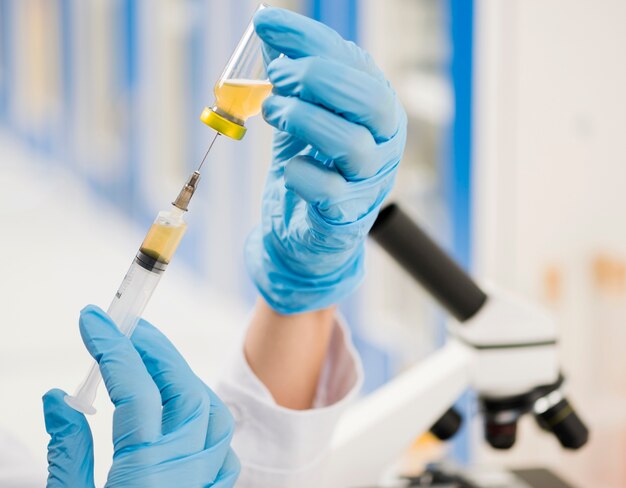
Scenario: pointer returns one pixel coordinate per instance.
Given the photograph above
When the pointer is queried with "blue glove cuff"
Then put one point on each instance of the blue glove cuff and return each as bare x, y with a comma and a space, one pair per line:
289, 292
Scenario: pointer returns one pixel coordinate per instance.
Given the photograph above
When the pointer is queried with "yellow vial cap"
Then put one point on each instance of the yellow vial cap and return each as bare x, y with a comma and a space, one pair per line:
222, 125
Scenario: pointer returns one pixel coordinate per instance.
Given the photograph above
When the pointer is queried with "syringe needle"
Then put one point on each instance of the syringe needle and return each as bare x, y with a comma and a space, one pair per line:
189, 188
207, 151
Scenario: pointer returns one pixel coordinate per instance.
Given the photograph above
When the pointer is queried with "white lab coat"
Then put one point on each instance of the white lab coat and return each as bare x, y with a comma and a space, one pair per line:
277, 447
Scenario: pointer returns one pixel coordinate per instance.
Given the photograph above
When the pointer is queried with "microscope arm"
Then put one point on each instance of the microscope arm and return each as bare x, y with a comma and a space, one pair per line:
373, 433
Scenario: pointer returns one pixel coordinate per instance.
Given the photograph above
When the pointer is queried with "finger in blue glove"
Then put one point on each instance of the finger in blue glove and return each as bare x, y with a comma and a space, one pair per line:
168, 427
70, 449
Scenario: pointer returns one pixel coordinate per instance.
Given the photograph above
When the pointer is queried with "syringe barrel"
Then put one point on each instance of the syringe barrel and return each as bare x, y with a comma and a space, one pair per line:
134, 293
125, 310
132, 297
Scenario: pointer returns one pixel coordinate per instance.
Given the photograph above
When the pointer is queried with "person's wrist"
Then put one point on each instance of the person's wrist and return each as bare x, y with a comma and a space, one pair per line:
286, 353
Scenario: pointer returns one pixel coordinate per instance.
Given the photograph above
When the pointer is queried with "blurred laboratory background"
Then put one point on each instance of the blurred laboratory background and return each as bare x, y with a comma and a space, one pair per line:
515, 163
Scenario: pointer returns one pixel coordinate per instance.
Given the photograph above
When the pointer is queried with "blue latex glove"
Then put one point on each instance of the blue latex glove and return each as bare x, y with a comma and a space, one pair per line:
340, 134
169, 429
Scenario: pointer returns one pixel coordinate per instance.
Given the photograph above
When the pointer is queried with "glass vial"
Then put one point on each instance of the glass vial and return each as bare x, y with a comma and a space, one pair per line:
242, 87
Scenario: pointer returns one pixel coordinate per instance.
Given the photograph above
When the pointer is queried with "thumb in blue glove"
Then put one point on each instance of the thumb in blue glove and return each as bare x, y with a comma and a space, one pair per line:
168, 427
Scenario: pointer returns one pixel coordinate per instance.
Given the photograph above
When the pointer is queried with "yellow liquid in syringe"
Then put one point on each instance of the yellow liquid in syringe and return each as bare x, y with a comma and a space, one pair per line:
241, 98
161, 241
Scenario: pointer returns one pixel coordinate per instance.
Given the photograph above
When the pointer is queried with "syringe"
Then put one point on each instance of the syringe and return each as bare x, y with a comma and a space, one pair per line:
145, 272
239, 94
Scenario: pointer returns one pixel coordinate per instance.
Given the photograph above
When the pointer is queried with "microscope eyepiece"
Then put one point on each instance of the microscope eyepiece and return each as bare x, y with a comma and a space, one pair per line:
427, 263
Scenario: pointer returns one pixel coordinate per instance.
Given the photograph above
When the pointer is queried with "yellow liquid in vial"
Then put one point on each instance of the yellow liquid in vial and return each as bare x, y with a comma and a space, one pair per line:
241, 98
162, 240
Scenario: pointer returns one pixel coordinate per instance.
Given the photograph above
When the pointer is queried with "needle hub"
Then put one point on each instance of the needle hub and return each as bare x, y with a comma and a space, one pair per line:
184, 197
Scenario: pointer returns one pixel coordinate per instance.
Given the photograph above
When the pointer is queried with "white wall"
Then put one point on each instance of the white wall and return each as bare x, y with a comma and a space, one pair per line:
550, 200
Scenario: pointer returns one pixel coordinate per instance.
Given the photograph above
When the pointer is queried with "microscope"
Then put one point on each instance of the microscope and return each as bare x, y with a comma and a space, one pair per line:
499, 344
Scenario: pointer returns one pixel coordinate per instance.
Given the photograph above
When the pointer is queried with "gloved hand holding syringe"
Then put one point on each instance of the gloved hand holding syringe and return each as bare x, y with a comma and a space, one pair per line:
239, 94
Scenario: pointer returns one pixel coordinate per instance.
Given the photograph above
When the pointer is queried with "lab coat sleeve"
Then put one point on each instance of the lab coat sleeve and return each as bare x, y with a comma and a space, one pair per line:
279, 447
